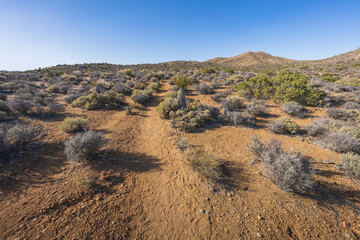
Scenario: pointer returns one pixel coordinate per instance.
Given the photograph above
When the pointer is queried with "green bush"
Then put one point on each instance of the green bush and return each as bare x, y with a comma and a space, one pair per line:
167, 106
139, 85
73, 124
99, 101
286, 86
229, 70
128, 73
207, 71
53, 89
154, 86
258, 86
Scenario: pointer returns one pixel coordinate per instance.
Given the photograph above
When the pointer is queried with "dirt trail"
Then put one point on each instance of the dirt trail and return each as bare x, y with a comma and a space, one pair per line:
169, 194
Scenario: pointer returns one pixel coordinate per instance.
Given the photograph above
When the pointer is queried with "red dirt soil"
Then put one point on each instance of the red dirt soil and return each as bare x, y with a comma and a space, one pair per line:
152, 195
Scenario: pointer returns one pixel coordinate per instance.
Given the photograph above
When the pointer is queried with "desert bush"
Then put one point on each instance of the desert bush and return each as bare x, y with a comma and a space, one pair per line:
318, 127
3, 97
171, 82
73, 124
342, 142
4, 107
3, 115
139, 86
20, 136
70, 98
203, 88
237, 118
20, 106
154, 86
284, 125
167, 106
54, 109
352, 105
339, 114
205, 163
221, 95
196, 116
214, 84
295, 109
350, 163
98, 101
286, 86
53, 89
232, 104
121, 88
256, 109
83, 146
142, 96
208, 71
289, 171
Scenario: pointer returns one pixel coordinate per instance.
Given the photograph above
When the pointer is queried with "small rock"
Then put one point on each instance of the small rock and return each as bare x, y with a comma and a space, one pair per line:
202, 210
345, 224
260, 218
229, 194
259, 235
245, 188
207, 212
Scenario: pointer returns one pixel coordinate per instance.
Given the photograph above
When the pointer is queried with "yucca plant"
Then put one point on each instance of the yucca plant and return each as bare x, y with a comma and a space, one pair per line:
182, 81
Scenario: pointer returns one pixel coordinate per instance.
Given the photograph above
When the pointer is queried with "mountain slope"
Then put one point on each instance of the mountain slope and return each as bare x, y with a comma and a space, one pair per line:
250, 59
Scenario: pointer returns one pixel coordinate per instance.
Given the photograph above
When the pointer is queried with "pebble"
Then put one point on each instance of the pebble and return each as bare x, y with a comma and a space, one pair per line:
259, 235
207, 212
202, 210
260, 218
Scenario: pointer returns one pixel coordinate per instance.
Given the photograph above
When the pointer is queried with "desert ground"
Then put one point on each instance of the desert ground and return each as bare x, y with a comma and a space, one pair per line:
160, 170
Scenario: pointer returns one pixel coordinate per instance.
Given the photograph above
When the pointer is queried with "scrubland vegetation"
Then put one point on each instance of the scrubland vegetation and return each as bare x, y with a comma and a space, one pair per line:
75, 109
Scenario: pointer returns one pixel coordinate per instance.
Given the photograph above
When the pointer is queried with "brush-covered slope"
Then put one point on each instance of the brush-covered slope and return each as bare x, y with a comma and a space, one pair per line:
250, 59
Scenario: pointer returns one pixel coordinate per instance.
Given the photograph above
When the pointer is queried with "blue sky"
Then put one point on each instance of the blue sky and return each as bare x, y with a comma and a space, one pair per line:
41, 33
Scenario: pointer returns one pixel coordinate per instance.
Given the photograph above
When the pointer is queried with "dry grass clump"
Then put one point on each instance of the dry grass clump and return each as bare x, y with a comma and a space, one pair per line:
289, 171
205, 163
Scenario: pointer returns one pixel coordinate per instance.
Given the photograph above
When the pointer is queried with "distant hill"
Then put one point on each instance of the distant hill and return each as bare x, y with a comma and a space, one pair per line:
348, 57
249, 59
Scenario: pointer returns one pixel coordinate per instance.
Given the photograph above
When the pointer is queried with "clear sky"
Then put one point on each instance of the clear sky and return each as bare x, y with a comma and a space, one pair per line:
42, 33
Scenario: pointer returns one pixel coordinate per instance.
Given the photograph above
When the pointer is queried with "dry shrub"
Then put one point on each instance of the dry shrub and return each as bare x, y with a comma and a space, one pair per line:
83, 146
289, 171
205, 163
350, 163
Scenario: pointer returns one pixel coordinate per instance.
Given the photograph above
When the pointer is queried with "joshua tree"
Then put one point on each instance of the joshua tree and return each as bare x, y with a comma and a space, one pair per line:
182, 81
